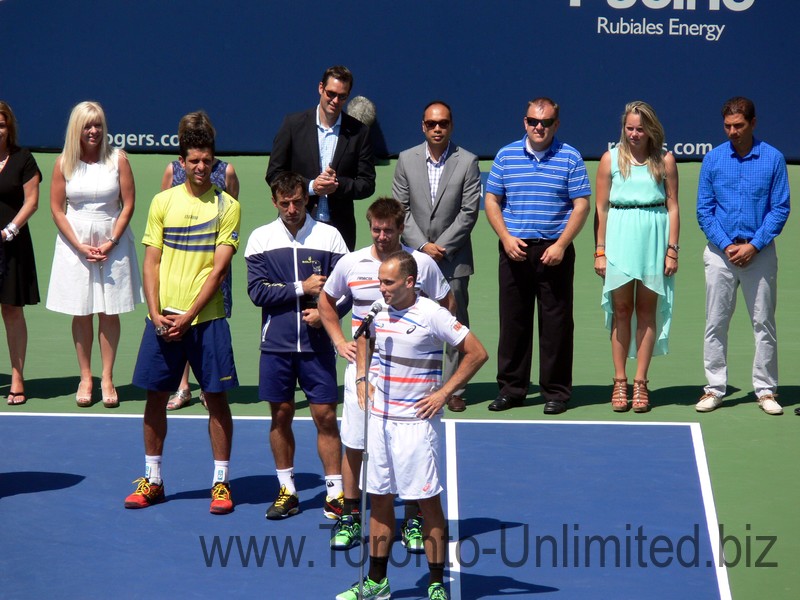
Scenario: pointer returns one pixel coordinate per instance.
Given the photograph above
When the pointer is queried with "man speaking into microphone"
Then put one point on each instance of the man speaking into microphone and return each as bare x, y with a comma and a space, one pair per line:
405, 425
356, 277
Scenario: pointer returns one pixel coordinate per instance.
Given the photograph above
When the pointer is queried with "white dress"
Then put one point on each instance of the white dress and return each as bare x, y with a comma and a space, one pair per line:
80, 287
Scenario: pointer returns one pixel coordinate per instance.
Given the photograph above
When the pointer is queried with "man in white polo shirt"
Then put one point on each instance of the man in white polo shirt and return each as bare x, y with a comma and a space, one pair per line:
405, 419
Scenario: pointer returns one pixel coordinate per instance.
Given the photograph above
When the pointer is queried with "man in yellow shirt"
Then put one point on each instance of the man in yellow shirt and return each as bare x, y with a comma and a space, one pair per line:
191, 236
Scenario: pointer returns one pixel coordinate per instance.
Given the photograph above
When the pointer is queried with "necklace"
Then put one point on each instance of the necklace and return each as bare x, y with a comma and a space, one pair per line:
636, 163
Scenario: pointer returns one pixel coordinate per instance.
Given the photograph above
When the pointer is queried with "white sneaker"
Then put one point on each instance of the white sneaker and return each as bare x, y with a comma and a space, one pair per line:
769, 405
708, 402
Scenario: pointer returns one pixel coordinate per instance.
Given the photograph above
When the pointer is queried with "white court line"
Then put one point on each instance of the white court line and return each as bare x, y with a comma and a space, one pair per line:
452, 509
711, 511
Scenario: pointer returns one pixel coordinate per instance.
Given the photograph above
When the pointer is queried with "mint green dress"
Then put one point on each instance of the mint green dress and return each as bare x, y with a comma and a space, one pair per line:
636, 245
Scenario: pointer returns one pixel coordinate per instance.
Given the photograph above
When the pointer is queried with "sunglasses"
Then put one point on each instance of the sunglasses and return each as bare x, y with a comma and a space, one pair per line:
535, 122
431, 124
331, 95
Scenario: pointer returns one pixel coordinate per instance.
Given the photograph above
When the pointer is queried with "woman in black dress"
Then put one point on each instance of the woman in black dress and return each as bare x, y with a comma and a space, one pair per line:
19, 199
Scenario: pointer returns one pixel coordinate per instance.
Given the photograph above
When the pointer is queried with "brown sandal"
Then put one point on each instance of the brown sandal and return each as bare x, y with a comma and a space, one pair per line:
641, 396
619, 397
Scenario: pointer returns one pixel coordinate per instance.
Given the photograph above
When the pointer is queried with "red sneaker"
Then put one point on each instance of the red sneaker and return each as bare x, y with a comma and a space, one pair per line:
221, 501
146, 494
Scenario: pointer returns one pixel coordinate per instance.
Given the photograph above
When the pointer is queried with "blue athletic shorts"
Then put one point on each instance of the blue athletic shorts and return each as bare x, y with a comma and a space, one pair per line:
316, 373
206, 346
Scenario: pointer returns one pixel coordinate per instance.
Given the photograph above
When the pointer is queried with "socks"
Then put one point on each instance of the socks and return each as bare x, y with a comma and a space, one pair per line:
333, 483
286, 478
436, 573
352, 506
220, 472
377, 568
152, 468
411, 509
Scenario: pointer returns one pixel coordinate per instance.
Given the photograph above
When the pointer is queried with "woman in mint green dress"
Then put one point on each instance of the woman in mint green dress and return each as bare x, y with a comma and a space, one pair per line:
638, 225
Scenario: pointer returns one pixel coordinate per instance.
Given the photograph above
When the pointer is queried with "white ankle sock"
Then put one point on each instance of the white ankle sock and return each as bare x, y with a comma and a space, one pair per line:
220, 471
152, 468
286, 478
333, 483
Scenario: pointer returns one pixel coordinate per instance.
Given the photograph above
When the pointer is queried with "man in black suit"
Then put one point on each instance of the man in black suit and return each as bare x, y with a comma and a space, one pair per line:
331, 151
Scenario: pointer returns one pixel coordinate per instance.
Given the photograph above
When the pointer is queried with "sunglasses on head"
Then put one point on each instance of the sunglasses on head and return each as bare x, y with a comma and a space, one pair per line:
532, 122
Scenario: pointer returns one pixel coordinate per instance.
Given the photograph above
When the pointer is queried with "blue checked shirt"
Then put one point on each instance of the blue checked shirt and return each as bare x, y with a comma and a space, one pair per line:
743, 197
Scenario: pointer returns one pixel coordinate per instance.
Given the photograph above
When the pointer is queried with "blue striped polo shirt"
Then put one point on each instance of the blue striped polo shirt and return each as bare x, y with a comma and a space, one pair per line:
538, 195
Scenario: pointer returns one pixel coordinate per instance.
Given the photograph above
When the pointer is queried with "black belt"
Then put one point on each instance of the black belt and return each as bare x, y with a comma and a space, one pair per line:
535, 241
627, 206
742, 240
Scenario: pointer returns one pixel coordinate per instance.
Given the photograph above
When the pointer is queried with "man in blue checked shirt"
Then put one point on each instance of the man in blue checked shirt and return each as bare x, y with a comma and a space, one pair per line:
742, 206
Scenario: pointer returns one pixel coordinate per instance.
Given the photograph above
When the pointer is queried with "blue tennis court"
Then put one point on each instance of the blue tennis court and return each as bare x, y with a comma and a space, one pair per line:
567, 510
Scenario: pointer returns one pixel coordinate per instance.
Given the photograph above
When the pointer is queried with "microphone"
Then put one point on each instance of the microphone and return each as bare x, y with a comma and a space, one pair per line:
364, 327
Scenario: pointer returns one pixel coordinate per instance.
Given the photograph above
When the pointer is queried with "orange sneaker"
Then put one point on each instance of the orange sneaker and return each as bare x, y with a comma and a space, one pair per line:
146, 494
221, 501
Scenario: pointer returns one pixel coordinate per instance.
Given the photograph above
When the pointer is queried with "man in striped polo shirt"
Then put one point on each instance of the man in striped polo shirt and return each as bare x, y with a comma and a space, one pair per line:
537, 200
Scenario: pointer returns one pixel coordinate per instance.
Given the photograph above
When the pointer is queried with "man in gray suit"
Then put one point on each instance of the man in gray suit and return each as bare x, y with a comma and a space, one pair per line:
439, 184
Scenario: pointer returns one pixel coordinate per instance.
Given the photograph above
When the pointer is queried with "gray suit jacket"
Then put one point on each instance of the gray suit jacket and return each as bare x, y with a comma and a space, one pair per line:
449, 219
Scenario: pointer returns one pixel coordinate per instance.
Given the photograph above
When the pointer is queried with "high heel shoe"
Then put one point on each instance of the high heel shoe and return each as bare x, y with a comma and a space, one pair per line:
619, 397
641, 396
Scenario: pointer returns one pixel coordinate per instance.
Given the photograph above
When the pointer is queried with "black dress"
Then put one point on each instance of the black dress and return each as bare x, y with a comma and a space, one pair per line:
20, 285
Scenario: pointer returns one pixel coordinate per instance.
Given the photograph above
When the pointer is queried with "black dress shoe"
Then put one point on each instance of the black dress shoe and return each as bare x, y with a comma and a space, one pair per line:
797, 411
555, 407
504, 403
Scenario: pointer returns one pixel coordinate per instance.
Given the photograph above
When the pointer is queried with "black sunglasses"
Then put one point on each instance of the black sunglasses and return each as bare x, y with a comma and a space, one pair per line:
535, 122
431, 124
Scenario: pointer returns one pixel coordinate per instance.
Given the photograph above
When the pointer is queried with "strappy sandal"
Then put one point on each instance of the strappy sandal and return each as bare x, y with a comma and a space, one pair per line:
619, 397
641, 396
16, 398
180, 399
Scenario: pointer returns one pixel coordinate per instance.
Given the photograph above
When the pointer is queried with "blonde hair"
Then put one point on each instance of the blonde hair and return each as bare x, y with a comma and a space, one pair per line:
655, 141
83, 113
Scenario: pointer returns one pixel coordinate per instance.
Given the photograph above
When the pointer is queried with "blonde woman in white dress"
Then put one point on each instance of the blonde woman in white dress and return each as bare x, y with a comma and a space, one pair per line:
95, 269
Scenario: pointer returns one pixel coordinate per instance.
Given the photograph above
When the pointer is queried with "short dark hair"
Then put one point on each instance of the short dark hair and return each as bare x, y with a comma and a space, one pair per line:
406, 263
443, 103
739, 105
195, 138
286, 183
542, 100
386, 208
339, 72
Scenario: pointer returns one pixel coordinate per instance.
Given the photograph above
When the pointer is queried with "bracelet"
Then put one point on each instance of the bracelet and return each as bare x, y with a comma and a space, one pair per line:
360, 380
12, 227
10, 235
675, 258
114, 241
599, 254
600, 246
674, 247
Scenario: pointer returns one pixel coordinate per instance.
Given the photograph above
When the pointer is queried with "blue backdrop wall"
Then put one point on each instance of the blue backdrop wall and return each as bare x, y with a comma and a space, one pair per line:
248, 63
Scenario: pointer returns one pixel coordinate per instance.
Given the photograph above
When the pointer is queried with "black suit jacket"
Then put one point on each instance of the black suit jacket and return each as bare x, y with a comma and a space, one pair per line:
296, 148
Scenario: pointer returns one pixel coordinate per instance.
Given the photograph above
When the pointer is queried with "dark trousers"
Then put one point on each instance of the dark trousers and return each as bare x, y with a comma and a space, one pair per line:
523, 285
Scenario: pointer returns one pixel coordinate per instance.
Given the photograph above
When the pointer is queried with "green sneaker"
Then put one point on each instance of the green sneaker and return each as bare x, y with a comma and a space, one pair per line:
436, 591
411, 536
346, 533
372, 591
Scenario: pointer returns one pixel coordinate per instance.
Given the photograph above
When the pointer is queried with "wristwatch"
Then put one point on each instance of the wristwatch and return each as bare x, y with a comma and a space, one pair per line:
674, 247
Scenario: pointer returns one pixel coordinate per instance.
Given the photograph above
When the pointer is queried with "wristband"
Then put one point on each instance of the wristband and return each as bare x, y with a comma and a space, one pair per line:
600, 253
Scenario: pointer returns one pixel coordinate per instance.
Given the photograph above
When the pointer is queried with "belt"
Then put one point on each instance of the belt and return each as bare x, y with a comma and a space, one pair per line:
628, 206
742, 240
535, 241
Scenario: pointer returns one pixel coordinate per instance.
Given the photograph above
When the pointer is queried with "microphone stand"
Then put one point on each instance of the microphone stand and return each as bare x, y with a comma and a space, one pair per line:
364, 463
